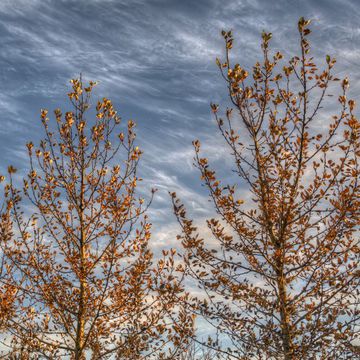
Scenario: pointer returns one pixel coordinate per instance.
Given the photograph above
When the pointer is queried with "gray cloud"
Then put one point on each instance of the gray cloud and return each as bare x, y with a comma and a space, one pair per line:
155, 59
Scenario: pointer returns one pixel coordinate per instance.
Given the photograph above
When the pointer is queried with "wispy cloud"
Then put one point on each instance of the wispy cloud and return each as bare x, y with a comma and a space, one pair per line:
156, 60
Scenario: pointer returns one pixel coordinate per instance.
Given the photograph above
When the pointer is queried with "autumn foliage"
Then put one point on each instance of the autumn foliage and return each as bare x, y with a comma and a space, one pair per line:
8, 290
280, 274
277, 271
90, 287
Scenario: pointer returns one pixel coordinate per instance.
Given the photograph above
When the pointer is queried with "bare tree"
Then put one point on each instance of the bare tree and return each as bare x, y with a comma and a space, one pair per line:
7, 290
281, 280
91, 288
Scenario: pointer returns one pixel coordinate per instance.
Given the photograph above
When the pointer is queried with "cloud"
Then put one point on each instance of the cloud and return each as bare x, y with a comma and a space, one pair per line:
155, 59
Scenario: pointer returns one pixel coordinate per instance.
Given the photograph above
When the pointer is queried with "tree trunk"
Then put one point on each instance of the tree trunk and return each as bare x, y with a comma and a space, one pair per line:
285, 318
80, 331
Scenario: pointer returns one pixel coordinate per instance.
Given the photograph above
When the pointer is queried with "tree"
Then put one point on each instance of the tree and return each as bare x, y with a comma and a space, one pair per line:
195, 352
280, 277
7, 289
91, 286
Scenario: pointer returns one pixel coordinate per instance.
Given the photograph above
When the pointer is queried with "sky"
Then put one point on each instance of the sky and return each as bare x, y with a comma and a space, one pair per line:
156, 61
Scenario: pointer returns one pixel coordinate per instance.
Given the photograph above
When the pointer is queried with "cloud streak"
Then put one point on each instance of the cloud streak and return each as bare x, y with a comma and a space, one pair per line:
156, 61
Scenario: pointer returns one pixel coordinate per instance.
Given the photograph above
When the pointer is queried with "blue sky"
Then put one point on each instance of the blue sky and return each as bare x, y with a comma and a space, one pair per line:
156, 61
